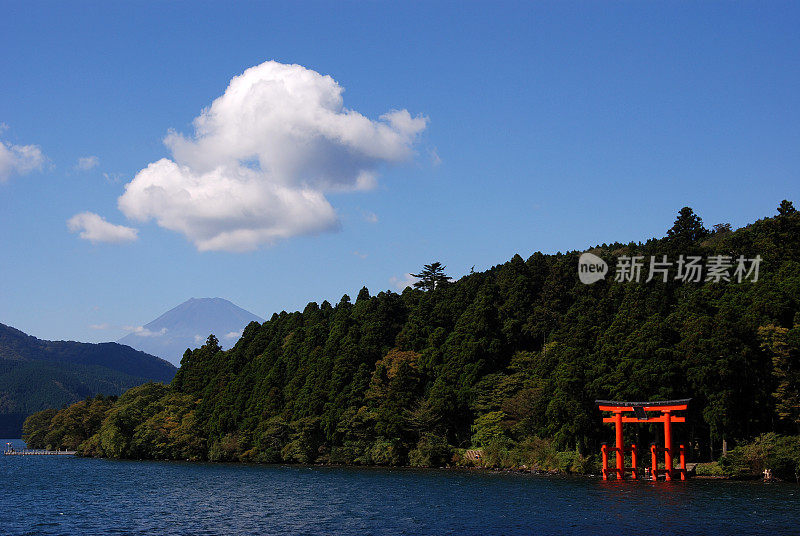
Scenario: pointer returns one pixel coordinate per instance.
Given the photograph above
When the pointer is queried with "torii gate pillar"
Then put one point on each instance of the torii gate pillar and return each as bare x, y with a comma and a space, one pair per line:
668, 444
620, 446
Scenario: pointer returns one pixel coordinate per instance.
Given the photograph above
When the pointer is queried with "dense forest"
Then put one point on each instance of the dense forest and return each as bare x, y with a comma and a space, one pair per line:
36, 374
509, 361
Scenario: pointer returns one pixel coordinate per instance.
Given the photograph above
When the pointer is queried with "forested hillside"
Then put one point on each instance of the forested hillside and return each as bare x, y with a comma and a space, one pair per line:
36, 374
507, 360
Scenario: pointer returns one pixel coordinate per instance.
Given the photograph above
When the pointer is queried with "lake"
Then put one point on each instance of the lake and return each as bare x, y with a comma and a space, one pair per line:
68, 495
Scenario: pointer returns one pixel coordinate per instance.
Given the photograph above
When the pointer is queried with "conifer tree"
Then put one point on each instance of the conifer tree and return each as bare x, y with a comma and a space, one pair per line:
688, 226
786, 207
431, 277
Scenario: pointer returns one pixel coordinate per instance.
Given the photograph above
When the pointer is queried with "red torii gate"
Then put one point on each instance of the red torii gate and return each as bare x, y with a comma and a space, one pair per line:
640, 410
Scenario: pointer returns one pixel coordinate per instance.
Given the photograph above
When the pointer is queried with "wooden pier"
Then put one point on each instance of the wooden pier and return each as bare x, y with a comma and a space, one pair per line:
38, 452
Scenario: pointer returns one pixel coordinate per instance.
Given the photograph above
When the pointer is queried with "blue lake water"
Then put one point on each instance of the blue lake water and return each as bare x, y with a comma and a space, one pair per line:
68, 495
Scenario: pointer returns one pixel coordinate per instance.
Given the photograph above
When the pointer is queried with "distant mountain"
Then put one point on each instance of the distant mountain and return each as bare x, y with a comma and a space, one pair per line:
188, 326
37, 374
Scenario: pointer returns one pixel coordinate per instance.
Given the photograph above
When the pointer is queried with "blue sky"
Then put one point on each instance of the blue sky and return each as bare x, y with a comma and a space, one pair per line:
546, 127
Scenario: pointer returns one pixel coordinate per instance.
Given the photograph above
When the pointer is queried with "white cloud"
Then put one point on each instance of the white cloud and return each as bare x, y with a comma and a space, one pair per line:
360, 255
85, 163
142, 331
233, 335
19, 160
113, 178
94, 228
401, 283
99, 326
436, 160
371, 217
262, 158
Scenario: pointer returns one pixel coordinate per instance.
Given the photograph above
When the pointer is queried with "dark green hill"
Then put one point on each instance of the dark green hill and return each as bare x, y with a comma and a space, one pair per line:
509, 360
37, 374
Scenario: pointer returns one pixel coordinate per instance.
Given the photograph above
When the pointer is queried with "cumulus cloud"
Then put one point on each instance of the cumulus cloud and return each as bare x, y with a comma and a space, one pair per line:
94, 228
233, 335
400, 283
262, 158
19, 160
85, 163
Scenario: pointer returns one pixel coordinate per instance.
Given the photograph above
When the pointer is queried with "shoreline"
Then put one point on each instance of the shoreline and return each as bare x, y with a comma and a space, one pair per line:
455, 468
462, 468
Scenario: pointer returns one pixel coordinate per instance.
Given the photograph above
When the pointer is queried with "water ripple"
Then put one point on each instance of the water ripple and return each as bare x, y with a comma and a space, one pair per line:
59, 495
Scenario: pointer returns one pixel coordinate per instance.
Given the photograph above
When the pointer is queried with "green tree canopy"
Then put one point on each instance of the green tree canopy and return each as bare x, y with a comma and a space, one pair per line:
688, 226
431, 277
786, 207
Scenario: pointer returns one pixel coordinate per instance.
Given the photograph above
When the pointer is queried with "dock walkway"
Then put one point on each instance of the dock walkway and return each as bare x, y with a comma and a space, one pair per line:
38, 452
